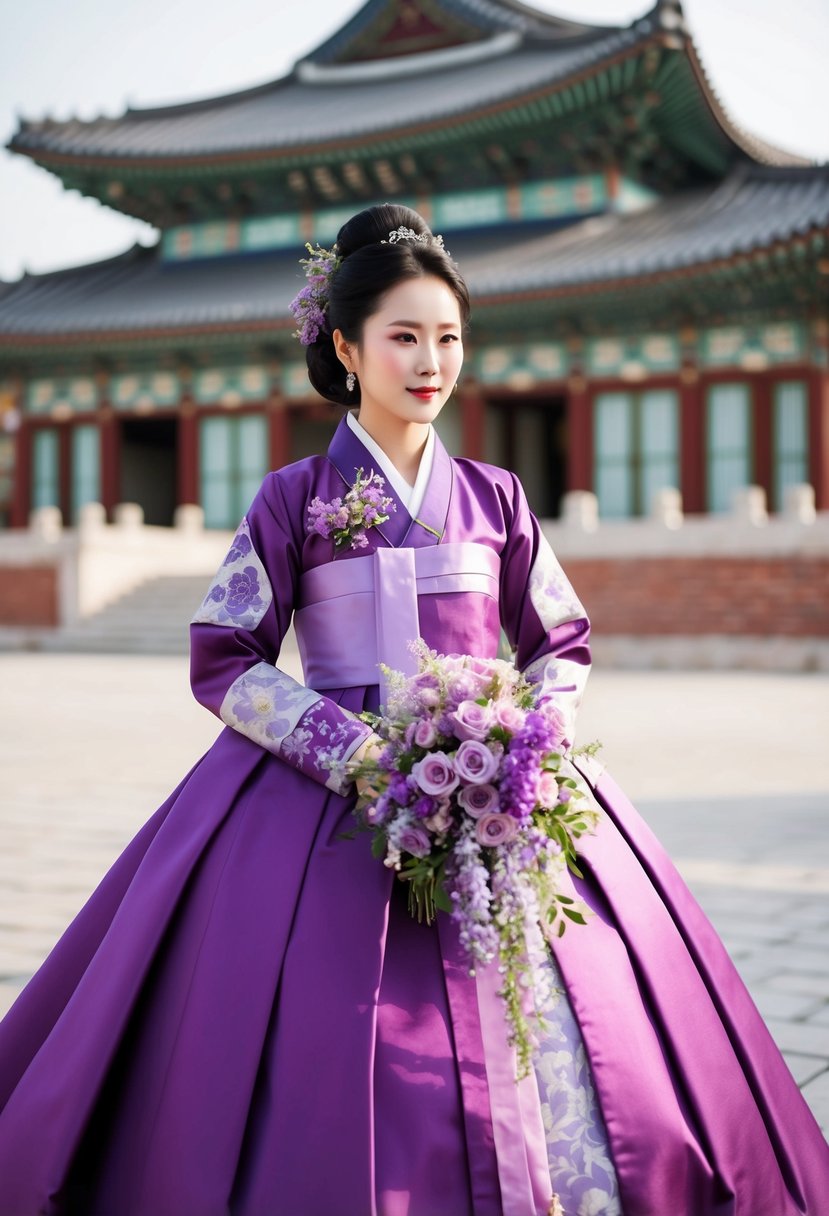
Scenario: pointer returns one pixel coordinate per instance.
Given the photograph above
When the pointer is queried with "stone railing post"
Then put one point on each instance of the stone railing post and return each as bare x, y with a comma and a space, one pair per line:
666, 508
748, 505
799, 504
46, 523
188, 518
128, 515
580, 511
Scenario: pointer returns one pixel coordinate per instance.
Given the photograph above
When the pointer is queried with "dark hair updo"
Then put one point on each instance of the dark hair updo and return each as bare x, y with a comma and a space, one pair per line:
368, 269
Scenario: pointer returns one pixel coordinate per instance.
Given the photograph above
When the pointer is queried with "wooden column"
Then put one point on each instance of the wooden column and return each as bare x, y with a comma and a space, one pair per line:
110, 458
279, 432
473, 422
65, 462
692, 480
187, 454
763, 471
22, 491
819, 436
579, 434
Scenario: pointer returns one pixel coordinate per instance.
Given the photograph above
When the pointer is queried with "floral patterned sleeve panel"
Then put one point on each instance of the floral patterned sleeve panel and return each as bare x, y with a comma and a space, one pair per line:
542, 615
241, 592
236, 636
293, 722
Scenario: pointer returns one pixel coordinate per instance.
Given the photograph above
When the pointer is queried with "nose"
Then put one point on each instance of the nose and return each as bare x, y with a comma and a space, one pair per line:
427, 364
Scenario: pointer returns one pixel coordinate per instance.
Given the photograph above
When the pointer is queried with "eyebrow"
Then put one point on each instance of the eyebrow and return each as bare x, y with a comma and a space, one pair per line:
417, 324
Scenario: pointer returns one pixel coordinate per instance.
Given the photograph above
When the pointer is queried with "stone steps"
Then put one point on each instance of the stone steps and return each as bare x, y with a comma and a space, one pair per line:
151, 619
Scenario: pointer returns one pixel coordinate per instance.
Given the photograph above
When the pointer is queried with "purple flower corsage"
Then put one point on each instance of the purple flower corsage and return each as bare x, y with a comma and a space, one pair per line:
346, 520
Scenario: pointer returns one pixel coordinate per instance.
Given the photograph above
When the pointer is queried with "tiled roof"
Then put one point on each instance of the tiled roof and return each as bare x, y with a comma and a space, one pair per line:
754, 209
292, 113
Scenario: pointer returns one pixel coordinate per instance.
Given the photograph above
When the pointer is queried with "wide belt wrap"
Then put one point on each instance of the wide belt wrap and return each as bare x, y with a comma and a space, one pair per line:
358, 613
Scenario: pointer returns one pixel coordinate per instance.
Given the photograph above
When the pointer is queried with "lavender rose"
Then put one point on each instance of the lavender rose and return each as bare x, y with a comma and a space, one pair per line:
548, 794
414, 840
494, 829
478, 800
475, 763
472, 721
435, 774
425, 733
509, 716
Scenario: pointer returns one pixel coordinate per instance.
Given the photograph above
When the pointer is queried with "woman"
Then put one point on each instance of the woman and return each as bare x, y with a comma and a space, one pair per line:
245, 1019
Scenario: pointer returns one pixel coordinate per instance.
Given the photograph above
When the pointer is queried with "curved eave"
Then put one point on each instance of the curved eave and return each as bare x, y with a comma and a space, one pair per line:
745, 263
140, 337
758, 149
384, 139
363, 141
740, 263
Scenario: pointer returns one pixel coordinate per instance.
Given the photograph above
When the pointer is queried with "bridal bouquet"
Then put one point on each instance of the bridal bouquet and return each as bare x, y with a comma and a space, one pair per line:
471, 802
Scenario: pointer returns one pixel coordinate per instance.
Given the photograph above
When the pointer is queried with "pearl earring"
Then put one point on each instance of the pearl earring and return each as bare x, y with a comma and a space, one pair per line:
350, 382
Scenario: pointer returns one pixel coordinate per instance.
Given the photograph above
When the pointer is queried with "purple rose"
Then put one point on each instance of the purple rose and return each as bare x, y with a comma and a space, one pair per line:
414, 840
424, 734
509, 716
464, 686
472, 721
548, 792
435, 774
494, 829
556, 724
475, 763
478, 800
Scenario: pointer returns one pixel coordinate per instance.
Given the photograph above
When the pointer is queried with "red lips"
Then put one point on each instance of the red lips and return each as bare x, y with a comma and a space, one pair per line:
425, 393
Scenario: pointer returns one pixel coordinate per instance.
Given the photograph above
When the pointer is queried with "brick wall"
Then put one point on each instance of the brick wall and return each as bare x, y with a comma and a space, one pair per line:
696, 595
29, 596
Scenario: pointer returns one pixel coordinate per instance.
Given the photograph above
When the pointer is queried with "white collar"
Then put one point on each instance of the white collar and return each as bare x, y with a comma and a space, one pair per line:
410, 496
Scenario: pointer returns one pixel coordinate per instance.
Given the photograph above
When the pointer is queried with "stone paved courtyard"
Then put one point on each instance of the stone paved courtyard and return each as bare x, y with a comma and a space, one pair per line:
730, 769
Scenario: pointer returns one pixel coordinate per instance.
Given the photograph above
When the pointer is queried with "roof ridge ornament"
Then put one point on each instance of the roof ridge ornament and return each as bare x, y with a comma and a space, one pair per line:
309, 72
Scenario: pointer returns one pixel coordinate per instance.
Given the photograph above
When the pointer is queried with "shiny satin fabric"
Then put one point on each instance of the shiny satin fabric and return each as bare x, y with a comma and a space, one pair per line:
203, 1039
355, 614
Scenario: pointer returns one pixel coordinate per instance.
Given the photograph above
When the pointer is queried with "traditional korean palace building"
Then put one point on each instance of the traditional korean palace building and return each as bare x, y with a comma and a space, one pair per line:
650, 282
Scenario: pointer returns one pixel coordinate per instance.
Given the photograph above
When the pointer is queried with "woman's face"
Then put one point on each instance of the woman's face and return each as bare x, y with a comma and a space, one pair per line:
410, 354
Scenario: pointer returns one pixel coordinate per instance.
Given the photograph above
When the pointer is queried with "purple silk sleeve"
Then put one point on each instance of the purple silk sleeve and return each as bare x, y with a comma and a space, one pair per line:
542, 617
235, 640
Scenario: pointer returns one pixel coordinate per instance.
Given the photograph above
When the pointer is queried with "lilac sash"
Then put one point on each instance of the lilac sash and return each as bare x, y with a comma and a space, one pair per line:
355, 614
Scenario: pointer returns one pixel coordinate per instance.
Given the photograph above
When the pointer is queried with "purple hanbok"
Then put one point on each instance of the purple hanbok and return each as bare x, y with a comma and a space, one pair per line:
245, 1021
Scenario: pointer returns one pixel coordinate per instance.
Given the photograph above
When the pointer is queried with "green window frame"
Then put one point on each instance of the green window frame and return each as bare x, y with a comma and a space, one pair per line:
728, 443
45, 468
86, 466
790, 437
636, 449
233, 461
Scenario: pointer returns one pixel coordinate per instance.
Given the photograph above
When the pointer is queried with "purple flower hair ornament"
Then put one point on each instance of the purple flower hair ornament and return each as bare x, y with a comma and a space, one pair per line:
310, 305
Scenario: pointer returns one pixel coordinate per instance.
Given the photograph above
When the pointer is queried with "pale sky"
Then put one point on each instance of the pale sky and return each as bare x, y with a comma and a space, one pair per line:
765, 59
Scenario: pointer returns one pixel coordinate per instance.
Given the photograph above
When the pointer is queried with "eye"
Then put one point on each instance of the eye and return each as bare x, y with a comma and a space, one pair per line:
447, 338
405, 337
